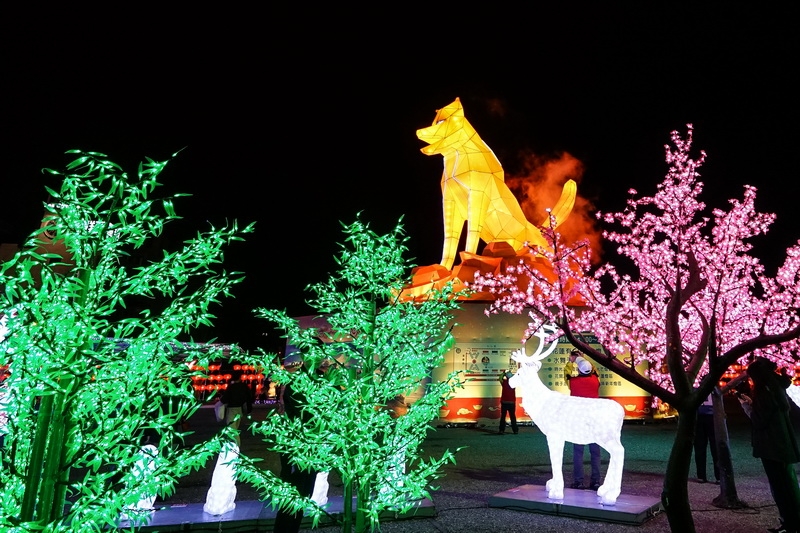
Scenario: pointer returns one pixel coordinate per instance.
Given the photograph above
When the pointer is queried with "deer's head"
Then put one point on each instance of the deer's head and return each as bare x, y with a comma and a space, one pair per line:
528, 365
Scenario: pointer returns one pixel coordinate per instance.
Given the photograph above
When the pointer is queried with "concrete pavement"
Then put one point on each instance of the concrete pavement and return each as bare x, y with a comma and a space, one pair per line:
490, 464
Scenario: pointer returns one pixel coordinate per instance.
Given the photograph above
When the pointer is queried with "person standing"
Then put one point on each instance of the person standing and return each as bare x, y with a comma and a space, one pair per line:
238, 399
571, 368
508, 404
584, 382
705, 438
773, 438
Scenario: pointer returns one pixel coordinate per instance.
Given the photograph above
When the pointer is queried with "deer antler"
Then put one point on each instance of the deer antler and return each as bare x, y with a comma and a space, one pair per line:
542, 349
519, 356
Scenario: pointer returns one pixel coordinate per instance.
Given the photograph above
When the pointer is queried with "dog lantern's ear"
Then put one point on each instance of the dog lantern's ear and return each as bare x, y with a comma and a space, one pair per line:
453, 109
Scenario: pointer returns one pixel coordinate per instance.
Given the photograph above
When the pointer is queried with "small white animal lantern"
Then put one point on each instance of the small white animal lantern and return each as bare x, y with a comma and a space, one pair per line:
573, 419
222, 494
143, 467
321, 486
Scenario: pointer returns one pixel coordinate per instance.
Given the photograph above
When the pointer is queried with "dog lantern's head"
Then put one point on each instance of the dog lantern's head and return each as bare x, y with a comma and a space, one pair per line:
446, 129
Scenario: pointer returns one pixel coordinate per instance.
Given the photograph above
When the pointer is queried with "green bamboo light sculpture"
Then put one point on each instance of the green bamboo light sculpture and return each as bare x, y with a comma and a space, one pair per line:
91, 341
381, 348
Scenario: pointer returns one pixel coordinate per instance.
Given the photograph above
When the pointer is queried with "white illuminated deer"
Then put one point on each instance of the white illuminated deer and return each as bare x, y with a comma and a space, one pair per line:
573, 419
793, 391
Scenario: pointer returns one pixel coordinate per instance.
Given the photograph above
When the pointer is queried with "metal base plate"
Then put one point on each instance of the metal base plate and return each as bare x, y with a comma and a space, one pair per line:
578, 504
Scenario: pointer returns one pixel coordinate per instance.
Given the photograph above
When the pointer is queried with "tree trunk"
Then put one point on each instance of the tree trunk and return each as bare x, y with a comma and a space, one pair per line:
347, 515
362, 522
44, 423
675, 494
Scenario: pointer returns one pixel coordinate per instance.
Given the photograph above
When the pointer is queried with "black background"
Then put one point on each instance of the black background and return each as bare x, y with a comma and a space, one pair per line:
299, 117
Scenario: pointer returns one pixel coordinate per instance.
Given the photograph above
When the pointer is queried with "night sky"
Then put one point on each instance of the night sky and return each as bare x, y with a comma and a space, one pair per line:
299, 118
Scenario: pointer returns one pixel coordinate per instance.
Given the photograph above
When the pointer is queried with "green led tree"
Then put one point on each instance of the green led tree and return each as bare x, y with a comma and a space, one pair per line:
378, 348
91, 378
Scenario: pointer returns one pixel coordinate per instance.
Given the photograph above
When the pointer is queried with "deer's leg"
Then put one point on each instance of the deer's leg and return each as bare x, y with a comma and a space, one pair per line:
609, 491
555, 486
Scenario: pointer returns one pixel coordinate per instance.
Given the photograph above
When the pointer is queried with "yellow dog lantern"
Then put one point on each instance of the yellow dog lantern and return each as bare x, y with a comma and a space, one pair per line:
474, 189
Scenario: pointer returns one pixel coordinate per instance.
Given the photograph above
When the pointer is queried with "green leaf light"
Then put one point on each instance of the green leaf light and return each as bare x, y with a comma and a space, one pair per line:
382, 349
91, 379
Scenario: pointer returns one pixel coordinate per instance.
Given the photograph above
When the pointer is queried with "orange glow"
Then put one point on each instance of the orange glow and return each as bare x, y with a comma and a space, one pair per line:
540, 185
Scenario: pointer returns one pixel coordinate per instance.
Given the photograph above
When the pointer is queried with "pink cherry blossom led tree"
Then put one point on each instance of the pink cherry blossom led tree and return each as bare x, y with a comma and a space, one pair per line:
685, 295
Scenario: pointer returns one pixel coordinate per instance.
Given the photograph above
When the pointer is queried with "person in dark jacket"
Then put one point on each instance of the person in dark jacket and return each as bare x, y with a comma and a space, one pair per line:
705, 438
238, 399
773, 439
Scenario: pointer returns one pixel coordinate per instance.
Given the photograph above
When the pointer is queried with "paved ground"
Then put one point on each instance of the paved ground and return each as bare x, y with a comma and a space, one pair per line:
492, 463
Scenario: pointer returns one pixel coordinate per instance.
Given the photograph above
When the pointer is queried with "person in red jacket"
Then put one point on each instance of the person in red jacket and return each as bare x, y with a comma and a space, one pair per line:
587, 385
508, 404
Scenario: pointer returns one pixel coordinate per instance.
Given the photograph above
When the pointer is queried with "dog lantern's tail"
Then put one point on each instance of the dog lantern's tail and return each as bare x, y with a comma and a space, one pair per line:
565, 203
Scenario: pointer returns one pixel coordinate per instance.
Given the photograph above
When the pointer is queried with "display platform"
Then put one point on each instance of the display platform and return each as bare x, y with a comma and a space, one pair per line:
578, 503
248, 516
